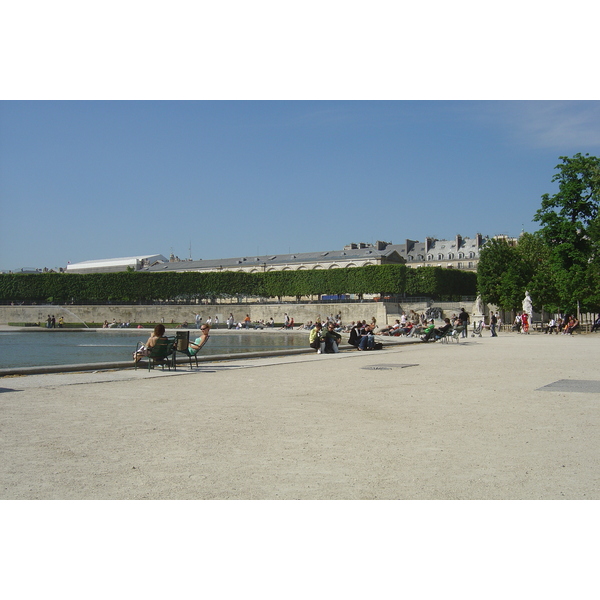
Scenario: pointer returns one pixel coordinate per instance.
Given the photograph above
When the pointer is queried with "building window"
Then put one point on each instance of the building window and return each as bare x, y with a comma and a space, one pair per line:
470, 265
460, 265
440, 257
450, 256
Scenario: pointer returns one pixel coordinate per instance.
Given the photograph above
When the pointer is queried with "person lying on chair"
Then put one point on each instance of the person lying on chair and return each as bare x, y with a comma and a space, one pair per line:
194, 347
428, 331
144, 350
440, 332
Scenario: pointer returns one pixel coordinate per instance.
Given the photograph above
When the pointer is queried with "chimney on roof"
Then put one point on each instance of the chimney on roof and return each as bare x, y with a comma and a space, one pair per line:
478, 240
429, 243
381, 245
458, 241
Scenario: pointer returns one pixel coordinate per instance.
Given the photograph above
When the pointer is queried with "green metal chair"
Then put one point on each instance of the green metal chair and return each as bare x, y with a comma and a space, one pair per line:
182, 345
159, 354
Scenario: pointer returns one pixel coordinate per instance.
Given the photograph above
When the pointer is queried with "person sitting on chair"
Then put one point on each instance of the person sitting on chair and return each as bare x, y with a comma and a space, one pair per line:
194, 347
389, 329
440, 332
159, 332
572, 325
428, 331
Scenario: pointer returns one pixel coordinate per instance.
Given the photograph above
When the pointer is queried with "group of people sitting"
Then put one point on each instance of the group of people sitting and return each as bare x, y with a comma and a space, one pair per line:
408, 328
418, 326
336, 321
362, 336
324, 340
159, 333
565, 326
433, 333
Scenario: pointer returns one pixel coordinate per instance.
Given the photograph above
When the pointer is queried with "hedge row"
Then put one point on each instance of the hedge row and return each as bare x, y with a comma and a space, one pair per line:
129, 288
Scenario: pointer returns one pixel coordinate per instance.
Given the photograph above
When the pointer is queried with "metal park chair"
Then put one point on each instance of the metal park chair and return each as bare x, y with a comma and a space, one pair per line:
160, 354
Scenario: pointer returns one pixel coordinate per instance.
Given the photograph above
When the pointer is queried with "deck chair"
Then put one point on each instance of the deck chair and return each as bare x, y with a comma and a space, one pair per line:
182, 345
159, 355
453, 335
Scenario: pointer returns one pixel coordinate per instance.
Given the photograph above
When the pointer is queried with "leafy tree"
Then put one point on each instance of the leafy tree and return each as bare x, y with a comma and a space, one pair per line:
539, 279
496, 274
506, 272
570, 227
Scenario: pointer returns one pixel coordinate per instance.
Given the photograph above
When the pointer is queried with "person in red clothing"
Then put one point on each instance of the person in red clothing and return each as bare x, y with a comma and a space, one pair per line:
525, 323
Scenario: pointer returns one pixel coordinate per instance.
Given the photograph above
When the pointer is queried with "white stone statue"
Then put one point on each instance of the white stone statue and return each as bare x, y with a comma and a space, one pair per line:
527, 304
478, 306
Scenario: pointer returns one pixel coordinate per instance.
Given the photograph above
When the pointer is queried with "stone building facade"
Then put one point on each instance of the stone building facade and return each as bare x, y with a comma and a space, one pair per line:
459, 253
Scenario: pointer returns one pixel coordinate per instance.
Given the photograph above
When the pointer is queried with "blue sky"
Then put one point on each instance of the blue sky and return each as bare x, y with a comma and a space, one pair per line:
82, 180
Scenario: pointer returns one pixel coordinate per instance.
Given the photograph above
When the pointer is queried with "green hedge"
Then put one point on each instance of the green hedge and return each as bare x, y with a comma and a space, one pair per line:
440, 284
145, 288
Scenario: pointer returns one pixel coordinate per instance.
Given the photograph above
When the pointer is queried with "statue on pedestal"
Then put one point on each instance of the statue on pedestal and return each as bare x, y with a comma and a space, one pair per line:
478, 306
527, 304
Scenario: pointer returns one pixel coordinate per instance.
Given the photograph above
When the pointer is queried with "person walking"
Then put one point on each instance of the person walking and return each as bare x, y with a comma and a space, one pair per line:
464, 319
493, 323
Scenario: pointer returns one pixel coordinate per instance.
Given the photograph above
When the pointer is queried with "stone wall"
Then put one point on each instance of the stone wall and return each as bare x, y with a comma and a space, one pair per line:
179, 313
384, 312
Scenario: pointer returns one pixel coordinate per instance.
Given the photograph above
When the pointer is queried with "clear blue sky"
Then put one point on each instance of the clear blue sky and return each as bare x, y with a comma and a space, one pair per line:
83, 180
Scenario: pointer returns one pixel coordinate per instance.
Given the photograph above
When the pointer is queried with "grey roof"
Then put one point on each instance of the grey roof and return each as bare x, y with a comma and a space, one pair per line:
388, 256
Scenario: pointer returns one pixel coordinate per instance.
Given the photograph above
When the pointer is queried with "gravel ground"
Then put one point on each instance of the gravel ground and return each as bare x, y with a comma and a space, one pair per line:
512, 417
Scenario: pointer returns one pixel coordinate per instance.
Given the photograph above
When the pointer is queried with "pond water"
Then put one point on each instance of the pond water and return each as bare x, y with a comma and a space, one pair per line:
42, 348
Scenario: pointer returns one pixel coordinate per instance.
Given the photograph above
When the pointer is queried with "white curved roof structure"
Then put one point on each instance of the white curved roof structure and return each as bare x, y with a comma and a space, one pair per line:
113, 265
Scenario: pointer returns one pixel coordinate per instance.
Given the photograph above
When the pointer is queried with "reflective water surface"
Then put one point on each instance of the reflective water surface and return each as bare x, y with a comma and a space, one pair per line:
40, 348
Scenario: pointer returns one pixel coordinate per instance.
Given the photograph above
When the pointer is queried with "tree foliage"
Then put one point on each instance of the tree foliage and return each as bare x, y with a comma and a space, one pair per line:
570, 227
146, 288
506, 272
560, 264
